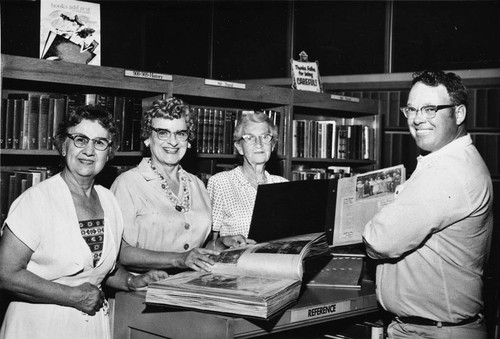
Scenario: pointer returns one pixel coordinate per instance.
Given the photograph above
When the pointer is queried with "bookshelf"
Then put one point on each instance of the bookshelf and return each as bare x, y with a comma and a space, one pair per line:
35, 75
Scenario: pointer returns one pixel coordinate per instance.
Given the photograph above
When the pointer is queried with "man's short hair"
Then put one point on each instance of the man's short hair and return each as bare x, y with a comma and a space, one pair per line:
453, 83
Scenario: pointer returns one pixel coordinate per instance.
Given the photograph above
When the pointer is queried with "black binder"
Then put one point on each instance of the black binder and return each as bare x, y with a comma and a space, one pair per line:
294, 208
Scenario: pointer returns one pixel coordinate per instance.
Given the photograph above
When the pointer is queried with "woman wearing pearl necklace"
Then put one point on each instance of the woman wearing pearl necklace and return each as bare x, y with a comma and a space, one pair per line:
167, 212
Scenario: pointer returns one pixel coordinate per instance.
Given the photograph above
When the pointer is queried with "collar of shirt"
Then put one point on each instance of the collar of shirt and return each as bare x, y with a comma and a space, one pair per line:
243, 180
450, 148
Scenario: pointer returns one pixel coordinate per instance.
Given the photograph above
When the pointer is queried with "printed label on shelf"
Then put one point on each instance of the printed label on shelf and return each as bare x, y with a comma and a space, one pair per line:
320, 311
148, 75
219, 83
343, 98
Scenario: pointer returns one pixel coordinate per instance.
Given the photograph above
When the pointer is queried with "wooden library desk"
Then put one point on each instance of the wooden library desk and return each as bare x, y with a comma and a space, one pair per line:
134, 319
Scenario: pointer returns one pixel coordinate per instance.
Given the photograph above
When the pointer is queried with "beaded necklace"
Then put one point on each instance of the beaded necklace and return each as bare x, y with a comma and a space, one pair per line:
183, 204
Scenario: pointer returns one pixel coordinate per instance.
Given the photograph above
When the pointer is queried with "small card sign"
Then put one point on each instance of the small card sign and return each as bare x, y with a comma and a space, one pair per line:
343, 98
305, 74
220, 83
148, 75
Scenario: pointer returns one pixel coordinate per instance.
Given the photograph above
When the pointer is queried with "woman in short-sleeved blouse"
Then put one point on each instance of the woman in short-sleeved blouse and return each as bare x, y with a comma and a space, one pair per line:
233, 193
167, 213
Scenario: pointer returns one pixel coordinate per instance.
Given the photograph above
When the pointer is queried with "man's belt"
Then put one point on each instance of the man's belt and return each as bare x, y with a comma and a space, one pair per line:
429, 322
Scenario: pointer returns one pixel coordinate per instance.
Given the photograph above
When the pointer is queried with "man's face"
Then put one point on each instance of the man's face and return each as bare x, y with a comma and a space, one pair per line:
432, 134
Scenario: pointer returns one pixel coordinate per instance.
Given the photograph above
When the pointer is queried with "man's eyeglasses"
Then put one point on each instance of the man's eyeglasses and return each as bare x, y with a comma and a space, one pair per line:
252, 139
428, 111
164, 134
81, 141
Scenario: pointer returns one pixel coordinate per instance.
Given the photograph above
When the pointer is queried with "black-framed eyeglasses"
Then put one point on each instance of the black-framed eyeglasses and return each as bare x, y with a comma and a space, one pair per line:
81, 141
428, 111
252, 139
164, 134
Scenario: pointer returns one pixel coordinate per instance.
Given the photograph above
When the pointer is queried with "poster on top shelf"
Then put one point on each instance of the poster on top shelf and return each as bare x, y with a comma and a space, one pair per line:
305, 74
70, 31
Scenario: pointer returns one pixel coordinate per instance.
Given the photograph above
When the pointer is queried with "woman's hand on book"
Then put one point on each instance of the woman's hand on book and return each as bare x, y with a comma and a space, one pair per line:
232, 241
197, 259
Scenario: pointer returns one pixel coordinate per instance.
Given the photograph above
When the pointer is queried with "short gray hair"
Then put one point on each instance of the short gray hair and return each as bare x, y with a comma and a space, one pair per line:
257, 117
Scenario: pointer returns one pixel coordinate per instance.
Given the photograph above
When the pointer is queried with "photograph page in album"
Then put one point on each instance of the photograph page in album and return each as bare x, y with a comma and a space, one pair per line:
255, 280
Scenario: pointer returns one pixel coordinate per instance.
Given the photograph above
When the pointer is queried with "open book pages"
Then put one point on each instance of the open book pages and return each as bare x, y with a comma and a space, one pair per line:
281, 258
359, 198
255, 280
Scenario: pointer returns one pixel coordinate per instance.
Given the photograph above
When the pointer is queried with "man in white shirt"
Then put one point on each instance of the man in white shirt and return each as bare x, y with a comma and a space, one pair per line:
433, 241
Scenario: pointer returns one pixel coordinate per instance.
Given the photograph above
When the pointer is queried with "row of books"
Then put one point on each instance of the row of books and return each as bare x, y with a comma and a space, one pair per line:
301, 172
16, 180
215, 128
29, 120
331, 139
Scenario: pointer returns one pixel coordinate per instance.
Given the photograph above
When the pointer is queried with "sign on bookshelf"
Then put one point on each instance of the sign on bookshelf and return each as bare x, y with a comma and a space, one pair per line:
305, 74
228, 84
148, 75
70, 31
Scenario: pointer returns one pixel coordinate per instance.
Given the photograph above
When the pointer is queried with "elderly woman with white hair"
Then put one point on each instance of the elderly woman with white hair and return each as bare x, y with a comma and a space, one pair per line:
233, 193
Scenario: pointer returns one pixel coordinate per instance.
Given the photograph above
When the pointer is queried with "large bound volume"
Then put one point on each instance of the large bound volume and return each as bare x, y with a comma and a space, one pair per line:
253, 281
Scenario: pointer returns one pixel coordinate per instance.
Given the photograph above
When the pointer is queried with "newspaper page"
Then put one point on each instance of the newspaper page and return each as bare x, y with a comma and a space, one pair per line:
359, 198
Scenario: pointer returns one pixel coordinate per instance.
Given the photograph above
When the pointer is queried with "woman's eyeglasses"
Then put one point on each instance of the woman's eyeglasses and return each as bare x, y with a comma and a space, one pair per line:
252, 139
81, 141
164, 134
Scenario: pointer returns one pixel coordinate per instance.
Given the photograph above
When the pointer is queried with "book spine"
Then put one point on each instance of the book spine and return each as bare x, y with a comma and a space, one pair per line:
16, 127
136, 125
119, 106
228, 131
59, 114
50, 124
9, 124
220, 136
301, 138
199, 129
206, 130
295, 137
367, 148
127, 118
210, 131
43, 118
34, 115
3, 117
342, 142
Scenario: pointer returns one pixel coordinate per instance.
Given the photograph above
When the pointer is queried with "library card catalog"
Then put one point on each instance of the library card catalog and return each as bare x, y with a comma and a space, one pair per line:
319, 311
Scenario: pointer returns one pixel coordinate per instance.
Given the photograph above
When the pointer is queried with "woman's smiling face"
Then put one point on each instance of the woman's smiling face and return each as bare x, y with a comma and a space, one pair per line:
170, 151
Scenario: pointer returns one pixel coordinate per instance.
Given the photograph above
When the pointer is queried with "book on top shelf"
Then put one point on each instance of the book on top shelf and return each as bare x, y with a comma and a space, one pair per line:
256, 280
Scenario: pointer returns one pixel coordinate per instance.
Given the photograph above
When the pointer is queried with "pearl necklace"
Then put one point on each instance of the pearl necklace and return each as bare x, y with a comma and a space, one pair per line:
180, 206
